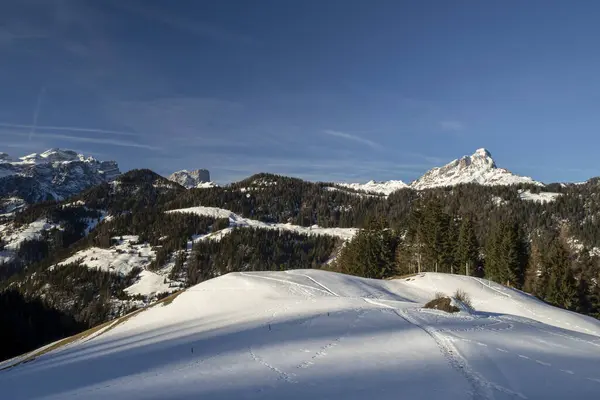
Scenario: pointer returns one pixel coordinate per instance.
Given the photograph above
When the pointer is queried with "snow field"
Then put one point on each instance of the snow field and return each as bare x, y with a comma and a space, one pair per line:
239, 221
316, 334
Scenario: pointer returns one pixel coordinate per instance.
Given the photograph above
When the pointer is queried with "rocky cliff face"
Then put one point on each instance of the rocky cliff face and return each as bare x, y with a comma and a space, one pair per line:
52, 175
478, 168
191, 179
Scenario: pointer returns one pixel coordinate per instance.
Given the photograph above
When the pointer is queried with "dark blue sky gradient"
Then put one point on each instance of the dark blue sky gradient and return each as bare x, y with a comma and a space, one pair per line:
342, 90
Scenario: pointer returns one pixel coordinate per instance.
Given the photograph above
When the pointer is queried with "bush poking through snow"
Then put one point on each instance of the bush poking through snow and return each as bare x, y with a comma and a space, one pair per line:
463, 297
443, 304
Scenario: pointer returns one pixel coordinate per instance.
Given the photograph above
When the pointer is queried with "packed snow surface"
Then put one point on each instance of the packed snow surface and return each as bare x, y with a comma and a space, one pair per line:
310, 334
239, 221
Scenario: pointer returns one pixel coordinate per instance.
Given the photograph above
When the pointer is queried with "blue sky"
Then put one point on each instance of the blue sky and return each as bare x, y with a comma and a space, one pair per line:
342, 90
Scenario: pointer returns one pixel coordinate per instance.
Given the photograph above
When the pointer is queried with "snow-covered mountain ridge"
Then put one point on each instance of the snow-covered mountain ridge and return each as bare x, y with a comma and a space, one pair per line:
315, 334
55, 174
479, 168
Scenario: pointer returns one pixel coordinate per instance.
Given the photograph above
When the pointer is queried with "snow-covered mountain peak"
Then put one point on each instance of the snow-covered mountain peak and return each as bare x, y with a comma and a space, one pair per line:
191, 179
479, 168
483, 157
55, 155
52, 174
4, 157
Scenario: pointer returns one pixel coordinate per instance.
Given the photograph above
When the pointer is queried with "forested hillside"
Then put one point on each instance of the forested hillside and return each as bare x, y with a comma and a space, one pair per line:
113, 248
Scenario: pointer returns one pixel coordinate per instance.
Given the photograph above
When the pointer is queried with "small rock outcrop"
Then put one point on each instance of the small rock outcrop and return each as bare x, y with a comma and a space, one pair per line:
190, 179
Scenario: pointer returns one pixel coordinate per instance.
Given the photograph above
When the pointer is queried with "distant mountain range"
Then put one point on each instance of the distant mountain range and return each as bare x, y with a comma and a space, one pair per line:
479, 168
52, 175
57, 174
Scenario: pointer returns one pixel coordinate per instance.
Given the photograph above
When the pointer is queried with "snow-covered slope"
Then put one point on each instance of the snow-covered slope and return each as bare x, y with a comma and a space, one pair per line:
236, 221
542, 197
385, 188
198, 178
125, 256
310, 334
14, 236
478, 168
52, 175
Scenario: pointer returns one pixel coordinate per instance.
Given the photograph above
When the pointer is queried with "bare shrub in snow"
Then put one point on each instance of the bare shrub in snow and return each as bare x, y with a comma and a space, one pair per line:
463, 297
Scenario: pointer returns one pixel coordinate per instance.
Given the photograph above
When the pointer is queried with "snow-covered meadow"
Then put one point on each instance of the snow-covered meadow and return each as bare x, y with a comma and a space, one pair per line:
315, 334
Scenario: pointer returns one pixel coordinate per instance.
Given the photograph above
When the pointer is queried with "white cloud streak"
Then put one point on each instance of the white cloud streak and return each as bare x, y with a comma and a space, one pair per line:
36, 111
186, 25
66, 128
79, 139
354, 138
452, 126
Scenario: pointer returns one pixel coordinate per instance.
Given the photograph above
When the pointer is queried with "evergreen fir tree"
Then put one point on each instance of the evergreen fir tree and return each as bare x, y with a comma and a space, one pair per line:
467, 250
561, 288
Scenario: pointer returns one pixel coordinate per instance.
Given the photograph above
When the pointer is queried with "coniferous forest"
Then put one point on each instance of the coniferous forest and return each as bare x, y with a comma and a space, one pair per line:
547, 249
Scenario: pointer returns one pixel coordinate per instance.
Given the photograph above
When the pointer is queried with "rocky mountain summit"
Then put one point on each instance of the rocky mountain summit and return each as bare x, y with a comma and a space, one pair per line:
479, 168
191, 179
55, 174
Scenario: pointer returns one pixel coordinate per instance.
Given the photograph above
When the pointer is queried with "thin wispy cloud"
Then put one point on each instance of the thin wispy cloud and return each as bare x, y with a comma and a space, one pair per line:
66, 129
353, 138
452, 126
36, 111
81, 139
193, 27
12, 34
185, 121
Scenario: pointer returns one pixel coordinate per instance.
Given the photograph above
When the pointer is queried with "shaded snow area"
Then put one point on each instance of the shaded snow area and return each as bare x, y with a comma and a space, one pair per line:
239, 221
385, 188
542, 197
14, 236
310, 334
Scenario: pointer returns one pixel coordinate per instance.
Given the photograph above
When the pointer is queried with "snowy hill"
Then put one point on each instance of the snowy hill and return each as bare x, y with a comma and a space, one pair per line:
315, 334
478, 168
385, 188
52, 175
199, 178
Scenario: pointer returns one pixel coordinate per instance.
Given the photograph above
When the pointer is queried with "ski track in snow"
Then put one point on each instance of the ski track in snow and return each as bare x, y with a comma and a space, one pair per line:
284, 281
322, 352
480, 386
287, 345
529, 310
523, 357
315, 281
280, 374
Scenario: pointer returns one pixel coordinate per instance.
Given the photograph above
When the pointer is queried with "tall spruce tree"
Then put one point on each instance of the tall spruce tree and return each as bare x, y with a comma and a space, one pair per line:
467, 250
370, 253
493, 253
561, 288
